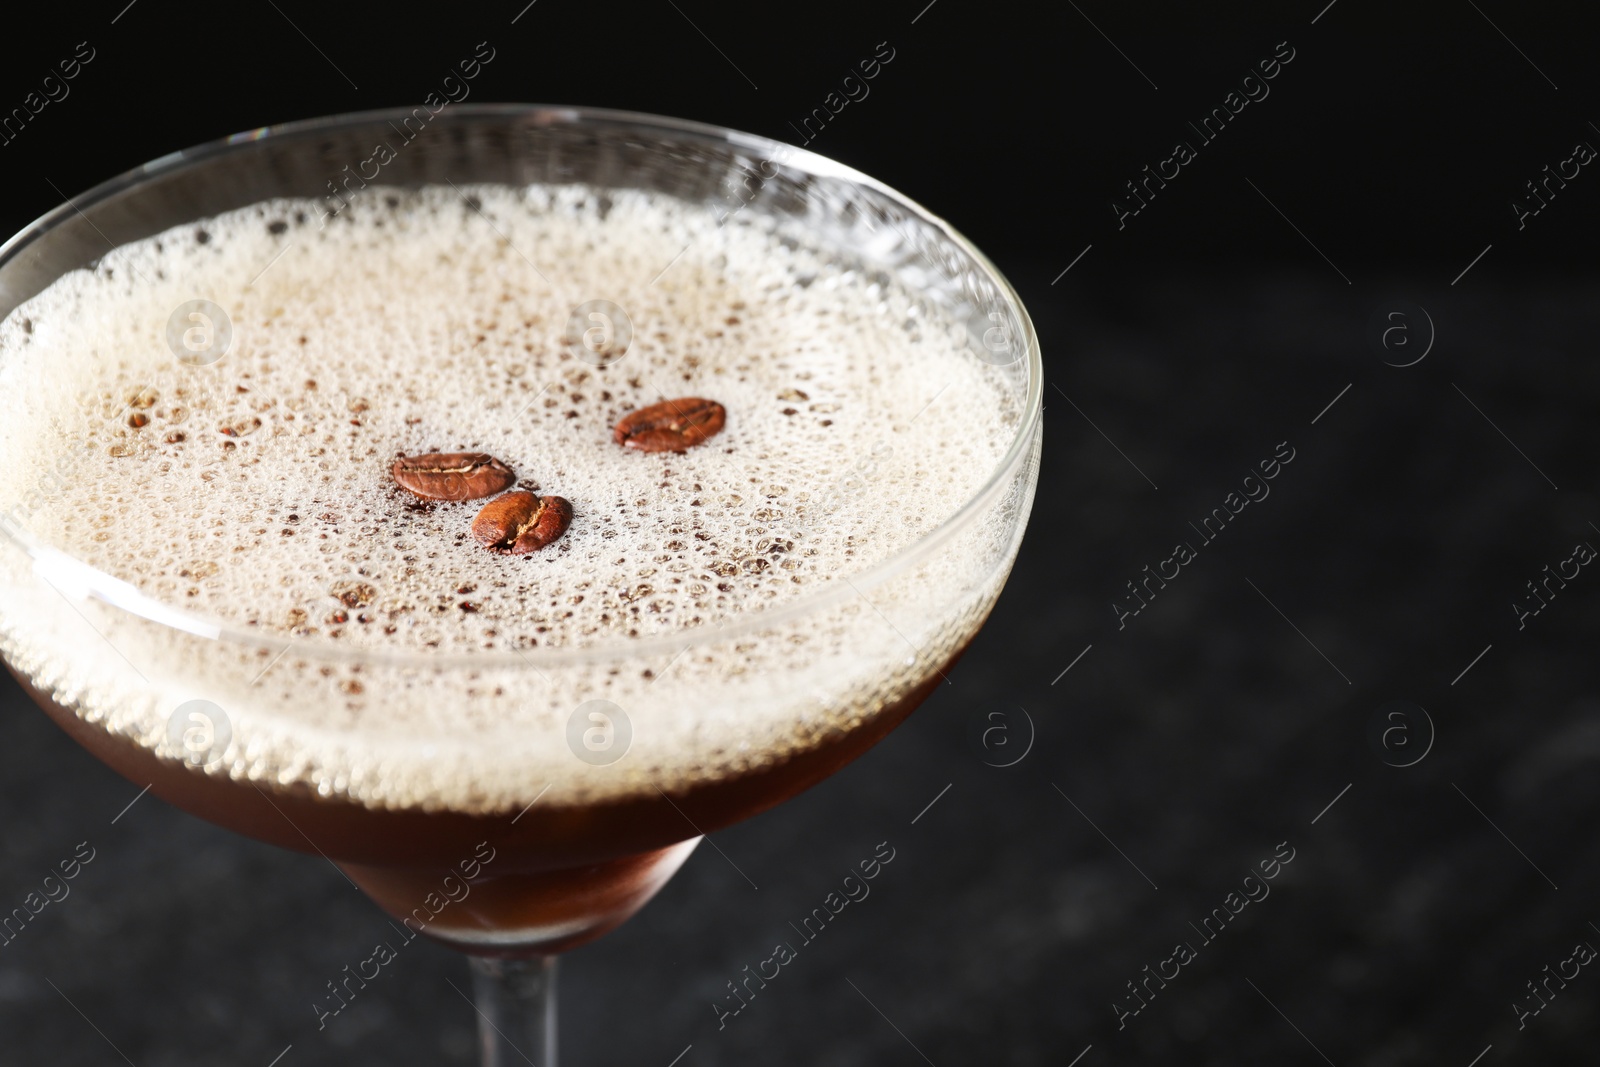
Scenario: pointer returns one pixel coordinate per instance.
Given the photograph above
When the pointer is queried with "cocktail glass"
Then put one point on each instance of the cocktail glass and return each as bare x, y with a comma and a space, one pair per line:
515, 845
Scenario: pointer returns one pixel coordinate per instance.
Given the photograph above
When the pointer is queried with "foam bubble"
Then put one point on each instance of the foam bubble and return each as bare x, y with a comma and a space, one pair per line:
254, 487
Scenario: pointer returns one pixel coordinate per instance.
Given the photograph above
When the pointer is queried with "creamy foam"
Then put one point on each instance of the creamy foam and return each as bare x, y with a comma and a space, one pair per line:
256, 490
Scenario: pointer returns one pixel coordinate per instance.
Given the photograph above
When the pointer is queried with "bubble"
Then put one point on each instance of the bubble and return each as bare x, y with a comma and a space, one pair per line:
354, 594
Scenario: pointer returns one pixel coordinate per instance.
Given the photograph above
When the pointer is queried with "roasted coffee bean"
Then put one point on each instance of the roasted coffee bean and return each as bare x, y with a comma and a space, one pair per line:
452, 475
671, 426
521, 522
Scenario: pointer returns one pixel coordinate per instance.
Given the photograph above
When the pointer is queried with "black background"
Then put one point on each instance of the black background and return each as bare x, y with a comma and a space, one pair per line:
1197, 738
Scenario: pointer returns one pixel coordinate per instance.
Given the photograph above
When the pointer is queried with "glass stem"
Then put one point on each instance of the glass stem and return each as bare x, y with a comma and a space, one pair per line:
516, 1001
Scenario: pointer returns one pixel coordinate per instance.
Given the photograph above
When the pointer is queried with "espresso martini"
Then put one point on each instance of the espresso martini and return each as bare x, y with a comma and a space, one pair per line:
217, 446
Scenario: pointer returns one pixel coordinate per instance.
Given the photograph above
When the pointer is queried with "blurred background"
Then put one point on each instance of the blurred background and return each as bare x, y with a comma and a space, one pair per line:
1352, 271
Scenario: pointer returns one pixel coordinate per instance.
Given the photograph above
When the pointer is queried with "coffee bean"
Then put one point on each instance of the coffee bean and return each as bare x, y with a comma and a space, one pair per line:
671, 426
521, 522
452, 475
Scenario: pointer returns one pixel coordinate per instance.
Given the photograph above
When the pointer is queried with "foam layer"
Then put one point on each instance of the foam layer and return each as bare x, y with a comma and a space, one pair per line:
259, 486
256, 490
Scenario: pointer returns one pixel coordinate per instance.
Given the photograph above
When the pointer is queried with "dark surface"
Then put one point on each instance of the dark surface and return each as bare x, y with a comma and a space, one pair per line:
1196, 739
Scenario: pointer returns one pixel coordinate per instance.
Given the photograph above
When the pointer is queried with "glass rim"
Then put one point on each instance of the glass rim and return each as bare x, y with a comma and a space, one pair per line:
72, 575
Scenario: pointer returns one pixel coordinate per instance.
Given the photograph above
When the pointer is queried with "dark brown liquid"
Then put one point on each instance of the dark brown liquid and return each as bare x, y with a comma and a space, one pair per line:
559, 876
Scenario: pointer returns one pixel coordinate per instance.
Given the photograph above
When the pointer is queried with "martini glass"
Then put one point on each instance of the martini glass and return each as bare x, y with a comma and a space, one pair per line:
515, 845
